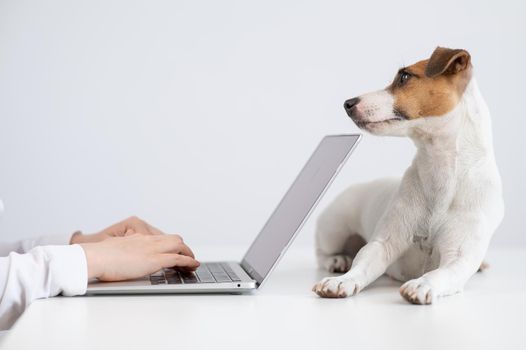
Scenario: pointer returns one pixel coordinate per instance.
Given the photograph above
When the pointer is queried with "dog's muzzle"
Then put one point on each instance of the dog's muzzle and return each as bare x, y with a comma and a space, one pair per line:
350, 106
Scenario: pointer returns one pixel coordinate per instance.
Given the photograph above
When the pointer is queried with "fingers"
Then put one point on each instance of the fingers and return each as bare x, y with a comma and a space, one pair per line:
154, 230
173, 244
129, 232
141, 226
137, 225
177, 260
133, 225
185, 250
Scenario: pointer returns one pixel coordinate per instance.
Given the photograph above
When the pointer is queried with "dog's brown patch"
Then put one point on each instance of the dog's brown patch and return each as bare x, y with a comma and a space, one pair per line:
432, 87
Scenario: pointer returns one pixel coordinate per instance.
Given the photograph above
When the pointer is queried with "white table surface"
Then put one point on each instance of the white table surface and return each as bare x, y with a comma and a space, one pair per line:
285, 314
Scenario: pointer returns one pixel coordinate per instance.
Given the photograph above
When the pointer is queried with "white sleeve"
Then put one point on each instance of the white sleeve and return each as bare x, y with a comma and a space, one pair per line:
27, 244
42, 272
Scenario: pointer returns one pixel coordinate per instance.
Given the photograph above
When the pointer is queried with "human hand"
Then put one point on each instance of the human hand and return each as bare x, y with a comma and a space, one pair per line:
136, 255
129, 226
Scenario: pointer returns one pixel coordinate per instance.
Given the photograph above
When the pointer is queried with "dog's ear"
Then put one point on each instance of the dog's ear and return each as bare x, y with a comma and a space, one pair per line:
447, 61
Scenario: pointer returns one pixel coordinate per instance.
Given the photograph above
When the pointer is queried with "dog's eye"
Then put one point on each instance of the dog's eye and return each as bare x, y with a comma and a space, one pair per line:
404, 77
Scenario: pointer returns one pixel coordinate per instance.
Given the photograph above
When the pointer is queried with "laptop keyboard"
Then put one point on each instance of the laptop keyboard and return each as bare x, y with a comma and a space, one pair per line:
205, 273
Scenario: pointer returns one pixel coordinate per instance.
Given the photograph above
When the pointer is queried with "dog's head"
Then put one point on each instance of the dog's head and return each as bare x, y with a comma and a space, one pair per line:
427, 89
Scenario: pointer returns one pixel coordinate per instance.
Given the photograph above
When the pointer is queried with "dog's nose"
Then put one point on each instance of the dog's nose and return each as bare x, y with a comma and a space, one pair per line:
350, 104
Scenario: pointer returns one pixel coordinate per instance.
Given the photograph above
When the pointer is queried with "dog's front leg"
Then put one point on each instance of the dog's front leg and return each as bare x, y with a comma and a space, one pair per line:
370, 263
391, 239
462, 248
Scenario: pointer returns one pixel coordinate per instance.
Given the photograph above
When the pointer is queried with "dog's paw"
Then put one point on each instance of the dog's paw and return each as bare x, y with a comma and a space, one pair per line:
336, 287
418, 291
338, 263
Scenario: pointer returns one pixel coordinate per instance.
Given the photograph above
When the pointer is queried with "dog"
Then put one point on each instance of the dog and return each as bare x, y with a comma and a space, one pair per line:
431, 228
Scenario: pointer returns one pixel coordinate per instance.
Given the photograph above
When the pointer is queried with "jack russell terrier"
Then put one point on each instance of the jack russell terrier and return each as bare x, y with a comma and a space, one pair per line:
431, 229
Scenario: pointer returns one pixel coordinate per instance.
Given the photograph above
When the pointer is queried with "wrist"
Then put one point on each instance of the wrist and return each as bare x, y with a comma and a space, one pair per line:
78, 237
92, 260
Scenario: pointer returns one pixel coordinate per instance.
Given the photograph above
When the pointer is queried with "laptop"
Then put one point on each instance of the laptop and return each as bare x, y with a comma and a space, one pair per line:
268, 247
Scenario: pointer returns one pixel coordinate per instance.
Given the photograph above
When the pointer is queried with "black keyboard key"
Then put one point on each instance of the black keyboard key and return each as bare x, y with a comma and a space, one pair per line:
154, 280
174, 279
170, 273
159, 273
189, 277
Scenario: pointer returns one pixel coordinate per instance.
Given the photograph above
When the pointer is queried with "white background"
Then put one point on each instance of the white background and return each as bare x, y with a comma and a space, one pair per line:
198, 115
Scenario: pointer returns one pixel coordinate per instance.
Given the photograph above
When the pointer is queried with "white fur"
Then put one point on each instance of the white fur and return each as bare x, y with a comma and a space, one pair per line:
431, 228
376, 106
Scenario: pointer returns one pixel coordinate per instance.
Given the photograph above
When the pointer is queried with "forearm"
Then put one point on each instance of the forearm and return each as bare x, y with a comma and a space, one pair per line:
43, 272
24, 246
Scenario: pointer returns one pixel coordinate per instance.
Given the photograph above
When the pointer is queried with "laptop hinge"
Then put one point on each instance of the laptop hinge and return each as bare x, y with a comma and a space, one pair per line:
251, 272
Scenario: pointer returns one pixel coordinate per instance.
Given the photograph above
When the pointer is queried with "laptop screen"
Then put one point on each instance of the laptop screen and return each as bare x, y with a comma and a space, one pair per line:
293, 210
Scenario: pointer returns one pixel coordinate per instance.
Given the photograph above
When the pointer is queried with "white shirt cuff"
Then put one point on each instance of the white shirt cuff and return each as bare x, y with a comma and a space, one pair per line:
69, 268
